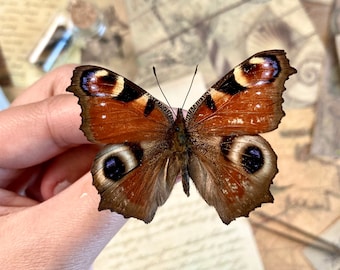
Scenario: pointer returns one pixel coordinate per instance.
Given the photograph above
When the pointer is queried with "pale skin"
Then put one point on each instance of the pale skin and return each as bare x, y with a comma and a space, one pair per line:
44, 155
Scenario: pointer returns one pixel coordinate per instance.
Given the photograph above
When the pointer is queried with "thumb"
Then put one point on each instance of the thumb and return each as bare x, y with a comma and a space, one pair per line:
65, 232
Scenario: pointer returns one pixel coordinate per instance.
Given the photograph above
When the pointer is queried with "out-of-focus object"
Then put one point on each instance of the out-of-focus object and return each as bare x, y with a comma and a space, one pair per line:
74, 28
87, 19
114, 47
4, 103
326, 143
54, 41
5, 78
326, 260
335, 26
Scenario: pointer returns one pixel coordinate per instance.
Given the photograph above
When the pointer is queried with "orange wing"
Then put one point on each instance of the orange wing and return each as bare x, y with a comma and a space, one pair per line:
233, 174
245, 101
115, 110
134, 179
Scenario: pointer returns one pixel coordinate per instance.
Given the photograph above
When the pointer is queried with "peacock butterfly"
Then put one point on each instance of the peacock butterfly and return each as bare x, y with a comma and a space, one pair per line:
216, 145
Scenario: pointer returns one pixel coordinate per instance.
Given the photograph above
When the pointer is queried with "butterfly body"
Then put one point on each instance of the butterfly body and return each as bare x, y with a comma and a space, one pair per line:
216, 145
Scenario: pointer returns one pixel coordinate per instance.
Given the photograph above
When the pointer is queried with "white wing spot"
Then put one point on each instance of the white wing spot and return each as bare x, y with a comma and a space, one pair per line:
236, 121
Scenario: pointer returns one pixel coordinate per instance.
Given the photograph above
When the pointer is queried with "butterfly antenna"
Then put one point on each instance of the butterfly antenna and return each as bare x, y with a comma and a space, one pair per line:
160, 88
192, 81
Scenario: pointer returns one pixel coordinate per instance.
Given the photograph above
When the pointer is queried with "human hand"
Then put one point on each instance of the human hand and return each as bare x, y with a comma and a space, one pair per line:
48, 206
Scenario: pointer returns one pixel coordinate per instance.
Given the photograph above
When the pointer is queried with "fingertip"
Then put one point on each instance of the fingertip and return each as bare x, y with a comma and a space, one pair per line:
40, 130
64, 120
52, 83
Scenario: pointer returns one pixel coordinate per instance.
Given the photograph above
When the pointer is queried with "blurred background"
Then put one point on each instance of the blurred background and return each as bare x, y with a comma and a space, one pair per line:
301, 229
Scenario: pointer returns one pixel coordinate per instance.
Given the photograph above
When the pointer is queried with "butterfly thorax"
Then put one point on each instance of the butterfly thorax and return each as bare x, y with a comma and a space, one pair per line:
180, 147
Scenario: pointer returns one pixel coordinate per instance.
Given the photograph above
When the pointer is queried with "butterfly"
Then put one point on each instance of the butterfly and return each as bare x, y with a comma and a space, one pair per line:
216, 145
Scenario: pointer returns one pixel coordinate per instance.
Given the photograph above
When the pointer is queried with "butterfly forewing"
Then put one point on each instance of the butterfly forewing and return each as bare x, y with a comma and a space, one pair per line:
115, 110
248, 100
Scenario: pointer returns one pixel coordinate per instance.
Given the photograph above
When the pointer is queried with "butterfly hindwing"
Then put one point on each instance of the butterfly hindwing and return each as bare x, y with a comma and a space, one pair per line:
233, 173
134, 179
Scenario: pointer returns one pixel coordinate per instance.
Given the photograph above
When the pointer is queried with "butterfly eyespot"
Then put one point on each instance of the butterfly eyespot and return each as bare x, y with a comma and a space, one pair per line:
252, 159
273, 65
251, 153
247, 68
117, 160
114, 168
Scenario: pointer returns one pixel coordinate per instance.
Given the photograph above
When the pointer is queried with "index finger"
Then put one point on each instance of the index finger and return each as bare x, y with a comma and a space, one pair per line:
52, 84
46, 126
